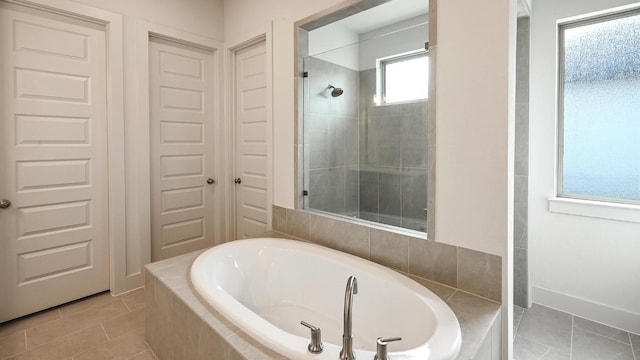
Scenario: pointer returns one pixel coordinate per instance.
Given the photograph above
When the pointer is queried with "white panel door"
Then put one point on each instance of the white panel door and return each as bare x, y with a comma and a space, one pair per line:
53, 155
252, 141
182, 113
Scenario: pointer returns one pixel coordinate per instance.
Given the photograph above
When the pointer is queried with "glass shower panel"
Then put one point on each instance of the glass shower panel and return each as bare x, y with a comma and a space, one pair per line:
331, 134
363, 159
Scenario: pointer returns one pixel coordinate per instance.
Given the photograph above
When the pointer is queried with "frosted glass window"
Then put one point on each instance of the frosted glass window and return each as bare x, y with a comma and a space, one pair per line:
406, 78
599, 108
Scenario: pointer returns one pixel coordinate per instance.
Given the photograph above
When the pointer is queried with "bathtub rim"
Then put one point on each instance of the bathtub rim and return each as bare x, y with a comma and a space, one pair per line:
257, 329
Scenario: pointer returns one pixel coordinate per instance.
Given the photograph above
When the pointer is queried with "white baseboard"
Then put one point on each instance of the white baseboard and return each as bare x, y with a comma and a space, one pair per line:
617, 318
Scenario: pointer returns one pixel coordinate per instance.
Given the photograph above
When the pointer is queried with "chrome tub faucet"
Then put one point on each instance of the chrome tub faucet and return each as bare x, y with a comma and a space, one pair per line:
347, 336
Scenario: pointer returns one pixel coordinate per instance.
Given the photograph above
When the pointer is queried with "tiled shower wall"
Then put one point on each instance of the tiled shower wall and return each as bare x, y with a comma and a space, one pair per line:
520, 237
331, 138
364, 160
393, 159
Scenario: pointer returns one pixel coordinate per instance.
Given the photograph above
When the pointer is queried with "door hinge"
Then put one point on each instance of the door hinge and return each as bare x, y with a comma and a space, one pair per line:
305, 193
305, 74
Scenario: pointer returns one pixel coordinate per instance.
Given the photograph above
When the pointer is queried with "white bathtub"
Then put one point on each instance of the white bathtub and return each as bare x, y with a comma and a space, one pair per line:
267, 286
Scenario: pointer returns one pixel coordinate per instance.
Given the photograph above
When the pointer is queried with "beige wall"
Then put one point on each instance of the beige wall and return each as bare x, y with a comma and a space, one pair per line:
475, 123
202, 17
475, 90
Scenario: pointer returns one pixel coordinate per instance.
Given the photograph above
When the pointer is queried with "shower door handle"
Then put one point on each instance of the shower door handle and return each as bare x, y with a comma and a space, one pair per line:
4, 203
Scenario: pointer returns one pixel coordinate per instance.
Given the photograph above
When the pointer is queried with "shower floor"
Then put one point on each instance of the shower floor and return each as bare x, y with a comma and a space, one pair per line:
542, 333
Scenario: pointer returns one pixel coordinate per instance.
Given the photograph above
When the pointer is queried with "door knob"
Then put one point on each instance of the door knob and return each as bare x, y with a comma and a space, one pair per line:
4, 203
210, 181
237, 181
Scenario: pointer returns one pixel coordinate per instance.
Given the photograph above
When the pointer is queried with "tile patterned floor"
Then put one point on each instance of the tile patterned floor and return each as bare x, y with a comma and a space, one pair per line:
103, 327
99, 327
542, 333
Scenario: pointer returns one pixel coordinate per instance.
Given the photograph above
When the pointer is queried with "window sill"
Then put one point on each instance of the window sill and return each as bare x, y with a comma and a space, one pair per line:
597, 209
415, 101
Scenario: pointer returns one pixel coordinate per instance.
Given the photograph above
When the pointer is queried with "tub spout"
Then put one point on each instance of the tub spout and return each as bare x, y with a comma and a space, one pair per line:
347, 336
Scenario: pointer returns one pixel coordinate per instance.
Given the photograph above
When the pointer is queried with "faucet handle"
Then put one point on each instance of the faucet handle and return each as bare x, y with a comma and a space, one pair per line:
315, 347
381, 347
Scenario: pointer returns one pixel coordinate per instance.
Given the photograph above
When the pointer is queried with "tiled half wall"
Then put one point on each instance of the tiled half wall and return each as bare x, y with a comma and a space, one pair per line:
181, 325
468, 270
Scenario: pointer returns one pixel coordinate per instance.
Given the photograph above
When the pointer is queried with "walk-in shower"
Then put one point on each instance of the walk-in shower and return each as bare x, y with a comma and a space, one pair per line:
365, 151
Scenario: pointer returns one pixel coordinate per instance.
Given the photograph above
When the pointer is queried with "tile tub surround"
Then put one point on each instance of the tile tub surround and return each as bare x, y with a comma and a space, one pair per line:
544, 333
468, 270
182, 326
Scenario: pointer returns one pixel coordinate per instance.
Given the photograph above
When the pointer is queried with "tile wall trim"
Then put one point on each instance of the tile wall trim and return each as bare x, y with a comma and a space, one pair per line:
467, 270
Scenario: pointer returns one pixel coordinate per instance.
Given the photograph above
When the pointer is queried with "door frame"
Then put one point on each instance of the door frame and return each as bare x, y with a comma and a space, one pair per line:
112, 23
145, 30
260, 34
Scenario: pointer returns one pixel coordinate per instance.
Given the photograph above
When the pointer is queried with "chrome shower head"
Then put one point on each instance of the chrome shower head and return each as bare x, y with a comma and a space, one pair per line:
335, 92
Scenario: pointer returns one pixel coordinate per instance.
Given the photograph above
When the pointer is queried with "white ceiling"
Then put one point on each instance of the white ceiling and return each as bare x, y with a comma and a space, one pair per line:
399, 10
385, 14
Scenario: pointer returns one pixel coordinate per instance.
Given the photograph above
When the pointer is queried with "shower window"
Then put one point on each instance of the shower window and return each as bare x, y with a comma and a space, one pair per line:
403, 78
599, 108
